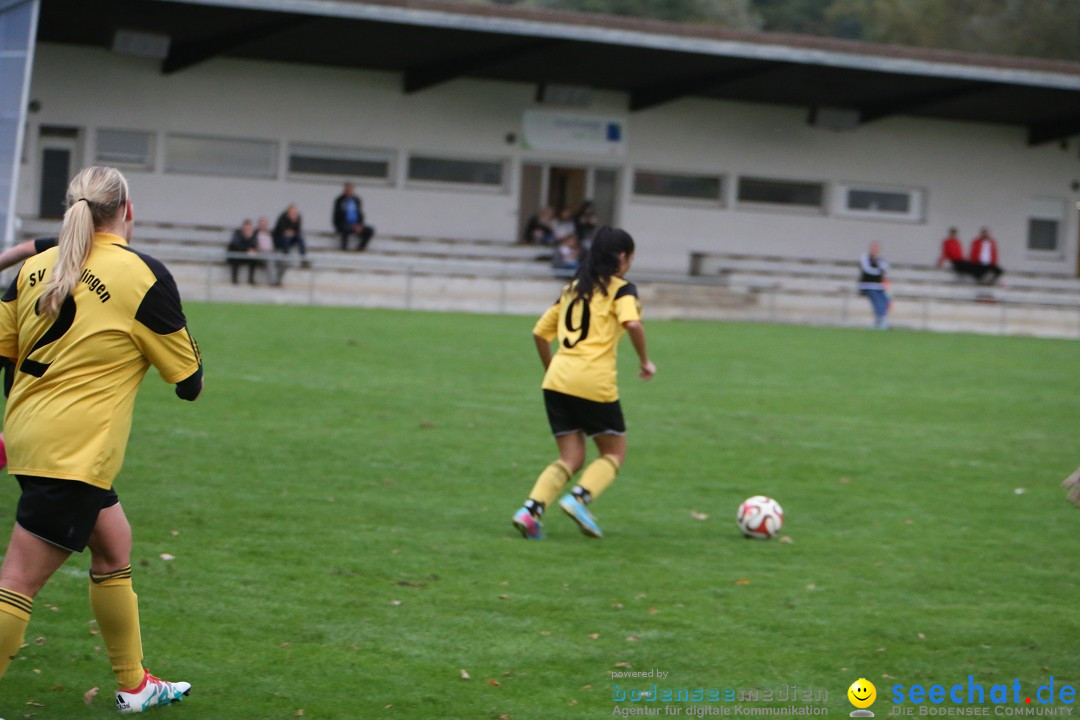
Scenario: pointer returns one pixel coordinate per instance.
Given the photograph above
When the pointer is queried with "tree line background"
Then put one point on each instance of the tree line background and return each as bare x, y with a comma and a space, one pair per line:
1038, 28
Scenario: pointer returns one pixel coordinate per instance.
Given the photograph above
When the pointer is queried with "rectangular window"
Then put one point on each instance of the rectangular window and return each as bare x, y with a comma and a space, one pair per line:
785, 193
1042, 235
887, 203
234, 157
1046, 216
478, 173
678, 186
341, 162
128, 148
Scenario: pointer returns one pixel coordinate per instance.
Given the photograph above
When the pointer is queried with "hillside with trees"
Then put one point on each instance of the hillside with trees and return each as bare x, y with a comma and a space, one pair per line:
1036, 28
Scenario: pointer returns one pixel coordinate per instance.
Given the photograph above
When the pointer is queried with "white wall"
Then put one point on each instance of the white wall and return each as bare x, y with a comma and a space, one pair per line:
972, 174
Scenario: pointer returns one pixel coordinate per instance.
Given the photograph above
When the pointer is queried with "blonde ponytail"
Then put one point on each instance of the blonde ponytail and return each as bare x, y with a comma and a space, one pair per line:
94, 198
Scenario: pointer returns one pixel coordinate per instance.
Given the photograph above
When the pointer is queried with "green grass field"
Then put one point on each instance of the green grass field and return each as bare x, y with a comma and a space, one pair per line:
337, 510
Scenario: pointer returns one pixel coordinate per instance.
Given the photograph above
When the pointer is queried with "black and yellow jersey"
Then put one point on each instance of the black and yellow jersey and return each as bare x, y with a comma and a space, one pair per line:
68, 415
588, 336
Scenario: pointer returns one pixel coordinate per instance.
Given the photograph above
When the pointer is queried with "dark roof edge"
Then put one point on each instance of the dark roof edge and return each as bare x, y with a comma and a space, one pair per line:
691, 38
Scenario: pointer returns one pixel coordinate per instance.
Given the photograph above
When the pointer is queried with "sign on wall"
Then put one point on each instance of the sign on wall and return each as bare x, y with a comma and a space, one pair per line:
573, 133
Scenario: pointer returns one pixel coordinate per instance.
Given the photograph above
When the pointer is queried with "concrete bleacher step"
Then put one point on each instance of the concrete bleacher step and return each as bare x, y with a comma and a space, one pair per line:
503, 277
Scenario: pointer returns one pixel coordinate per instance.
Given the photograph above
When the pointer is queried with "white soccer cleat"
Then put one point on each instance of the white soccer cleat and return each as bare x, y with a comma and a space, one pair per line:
150, 694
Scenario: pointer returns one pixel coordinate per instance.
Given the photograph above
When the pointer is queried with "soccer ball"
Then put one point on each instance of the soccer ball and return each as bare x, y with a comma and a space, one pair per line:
760, 517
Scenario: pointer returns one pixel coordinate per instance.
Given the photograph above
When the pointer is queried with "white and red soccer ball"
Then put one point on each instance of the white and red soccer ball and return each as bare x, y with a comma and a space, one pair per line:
760, 517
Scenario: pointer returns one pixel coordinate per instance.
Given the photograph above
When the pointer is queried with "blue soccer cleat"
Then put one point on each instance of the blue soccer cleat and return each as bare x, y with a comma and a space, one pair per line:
529, 527
153, 692
581, 515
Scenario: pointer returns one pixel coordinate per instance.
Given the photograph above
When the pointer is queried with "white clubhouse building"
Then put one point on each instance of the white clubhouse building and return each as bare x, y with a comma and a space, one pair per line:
459, 121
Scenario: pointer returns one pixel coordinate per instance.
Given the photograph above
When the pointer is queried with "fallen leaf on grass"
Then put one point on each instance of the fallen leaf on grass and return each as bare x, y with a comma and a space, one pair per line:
299, 713
699, 515
167, 557
594, 636
494, 683
742, 581
623, 665
465, 674
89, 695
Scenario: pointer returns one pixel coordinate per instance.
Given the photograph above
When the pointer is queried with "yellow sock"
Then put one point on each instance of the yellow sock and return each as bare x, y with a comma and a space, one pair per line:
116, 609
548, 485
15, 611
598, 475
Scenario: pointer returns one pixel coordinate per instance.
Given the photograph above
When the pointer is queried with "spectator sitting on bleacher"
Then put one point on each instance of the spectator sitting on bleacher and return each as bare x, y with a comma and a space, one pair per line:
242, 250
348, 218
563, 224
984, 258
567, 254
288, 233
585, 221
265, 247
538, 229
952, 252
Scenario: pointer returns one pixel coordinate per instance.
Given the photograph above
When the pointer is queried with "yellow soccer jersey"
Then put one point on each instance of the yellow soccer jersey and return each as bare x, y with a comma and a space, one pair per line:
76, 375
588, 335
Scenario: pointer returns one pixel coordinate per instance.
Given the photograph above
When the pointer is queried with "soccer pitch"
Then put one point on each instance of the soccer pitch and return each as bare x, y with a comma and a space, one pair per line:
326, 532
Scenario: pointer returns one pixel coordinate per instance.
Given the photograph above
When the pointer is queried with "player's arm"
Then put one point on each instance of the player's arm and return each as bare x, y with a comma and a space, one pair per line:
160, 331
544, 332
19, 252
543, 349
636, 331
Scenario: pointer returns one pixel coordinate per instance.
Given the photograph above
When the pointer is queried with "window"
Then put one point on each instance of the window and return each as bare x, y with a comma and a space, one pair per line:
481, 173
1042, 234
129, 148
787, 193
678, 186
888, 203
1045, 219
236, 157
341, 162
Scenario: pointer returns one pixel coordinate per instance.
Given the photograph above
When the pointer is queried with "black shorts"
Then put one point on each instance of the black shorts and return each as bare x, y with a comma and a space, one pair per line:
61, 512
570, 414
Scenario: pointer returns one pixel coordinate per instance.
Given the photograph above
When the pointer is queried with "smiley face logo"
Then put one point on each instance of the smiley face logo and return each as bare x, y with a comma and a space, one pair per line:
862, 693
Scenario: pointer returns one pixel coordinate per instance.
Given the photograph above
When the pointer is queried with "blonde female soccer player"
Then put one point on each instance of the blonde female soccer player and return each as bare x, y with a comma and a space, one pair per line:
82, 323
580, 392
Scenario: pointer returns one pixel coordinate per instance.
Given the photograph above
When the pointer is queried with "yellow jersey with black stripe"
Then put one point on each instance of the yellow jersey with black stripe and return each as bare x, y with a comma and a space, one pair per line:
76, 375
588, 334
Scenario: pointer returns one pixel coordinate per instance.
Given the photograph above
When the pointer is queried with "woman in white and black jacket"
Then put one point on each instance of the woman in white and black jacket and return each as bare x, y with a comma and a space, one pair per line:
874, 285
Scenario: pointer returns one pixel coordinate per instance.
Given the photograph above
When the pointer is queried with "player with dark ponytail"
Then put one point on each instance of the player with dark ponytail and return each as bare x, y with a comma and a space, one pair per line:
580, 390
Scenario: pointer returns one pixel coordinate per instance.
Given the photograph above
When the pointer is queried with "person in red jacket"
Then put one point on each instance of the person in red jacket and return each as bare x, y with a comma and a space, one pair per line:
952, 252
984, 257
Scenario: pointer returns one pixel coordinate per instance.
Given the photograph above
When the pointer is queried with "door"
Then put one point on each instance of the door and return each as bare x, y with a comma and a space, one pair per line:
57, 148
566, 187
532, 189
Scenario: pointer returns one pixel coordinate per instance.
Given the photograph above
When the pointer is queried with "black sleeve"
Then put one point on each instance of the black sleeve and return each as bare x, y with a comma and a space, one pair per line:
43, 244
190, 387
627, 289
